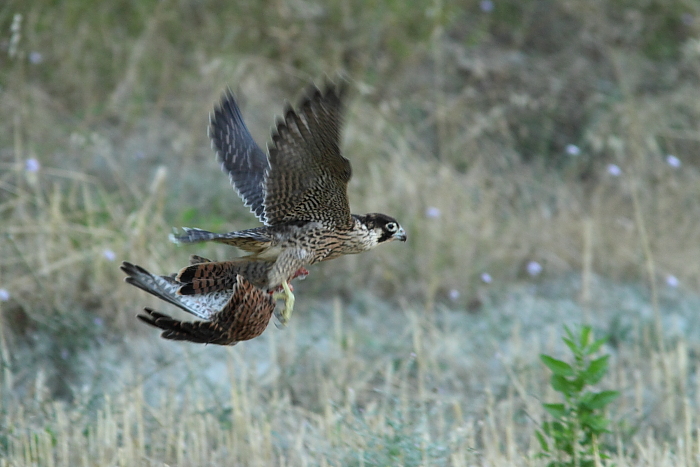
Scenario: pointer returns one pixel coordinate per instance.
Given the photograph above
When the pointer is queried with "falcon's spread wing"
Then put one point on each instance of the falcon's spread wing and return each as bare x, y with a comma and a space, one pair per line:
308, 176
305, 177
240, 313
243, 160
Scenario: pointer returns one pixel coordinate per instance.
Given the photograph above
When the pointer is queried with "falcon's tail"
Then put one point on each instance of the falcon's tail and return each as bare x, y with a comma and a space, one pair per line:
251, 240
166, 288
215, 276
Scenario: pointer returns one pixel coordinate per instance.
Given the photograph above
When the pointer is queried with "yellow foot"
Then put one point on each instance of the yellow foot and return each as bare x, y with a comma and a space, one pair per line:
288, 298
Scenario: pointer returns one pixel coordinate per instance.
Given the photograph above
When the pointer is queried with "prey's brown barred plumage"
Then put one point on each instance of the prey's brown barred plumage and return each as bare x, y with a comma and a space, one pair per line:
238, 312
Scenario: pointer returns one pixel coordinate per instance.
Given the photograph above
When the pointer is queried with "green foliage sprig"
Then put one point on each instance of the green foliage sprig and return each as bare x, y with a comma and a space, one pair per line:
571, 438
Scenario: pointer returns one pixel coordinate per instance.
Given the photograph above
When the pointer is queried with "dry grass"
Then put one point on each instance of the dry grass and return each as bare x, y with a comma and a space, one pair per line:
459, 127
448, 391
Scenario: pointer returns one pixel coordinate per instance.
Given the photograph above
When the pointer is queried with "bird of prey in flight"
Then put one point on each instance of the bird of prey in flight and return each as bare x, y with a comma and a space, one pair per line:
299, 191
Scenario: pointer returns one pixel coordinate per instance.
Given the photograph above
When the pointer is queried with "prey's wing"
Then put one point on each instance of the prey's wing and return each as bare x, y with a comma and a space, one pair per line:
200, 332
166, 288
245, 316
239, 155
308, 176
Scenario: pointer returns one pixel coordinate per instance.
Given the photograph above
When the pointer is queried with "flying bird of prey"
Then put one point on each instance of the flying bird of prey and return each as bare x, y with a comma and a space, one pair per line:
236, 313
298, 191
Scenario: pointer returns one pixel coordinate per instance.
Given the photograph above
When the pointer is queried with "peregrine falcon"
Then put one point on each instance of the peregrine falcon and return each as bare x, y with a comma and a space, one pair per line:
236, 313
298, 191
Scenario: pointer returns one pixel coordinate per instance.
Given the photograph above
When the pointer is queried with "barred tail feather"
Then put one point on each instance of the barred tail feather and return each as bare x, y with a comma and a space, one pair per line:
252, 240
191, 235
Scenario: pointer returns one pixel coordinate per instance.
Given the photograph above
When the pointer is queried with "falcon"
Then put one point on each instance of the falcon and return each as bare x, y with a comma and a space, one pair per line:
298, 190
238, 312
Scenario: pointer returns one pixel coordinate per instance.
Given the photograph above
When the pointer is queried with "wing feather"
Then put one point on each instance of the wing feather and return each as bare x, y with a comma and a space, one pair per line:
239, 155
244, 316
308, 175
166, 288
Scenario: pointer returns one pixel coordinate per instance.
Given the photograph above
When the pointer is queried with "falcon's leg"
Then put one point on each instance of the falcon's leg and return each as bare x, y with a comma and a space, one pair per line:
288, 298
300, 274
290, 263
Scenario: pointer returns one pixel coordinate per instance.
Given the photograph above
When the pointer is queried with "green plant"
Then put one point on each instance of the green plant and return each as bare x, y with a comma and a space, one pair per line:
572, 438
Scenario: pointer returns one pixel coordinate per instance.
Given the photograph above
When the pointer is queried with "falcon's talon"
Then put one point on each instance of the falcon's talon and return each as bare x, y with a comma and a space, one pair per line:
279, 291
288, 297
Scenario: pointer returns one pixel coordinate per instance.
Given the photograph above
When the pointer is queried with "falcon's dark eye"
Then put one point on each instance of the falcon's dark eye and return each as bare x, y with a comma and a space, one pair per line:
391, 226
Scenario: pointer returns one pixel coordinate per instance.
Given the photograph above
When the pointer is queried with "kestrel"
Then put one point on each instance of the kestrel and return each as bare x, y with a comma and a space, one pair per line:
298, 191
233, 314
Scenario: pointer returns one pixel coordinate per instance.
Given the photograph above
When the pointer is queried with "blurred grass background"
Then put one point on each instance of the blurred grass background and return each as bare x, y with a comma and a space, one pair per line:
499, 133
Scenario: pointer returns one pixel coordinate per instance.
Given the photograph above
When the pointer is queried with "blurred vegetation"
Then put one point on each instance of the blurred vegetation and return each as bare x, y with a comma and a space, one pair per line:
499, 133
459, 106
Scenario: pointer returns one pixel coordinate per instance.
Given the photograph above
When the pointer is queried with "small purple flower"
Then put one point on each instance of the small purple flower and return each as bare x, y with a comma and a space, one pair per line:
109, 255
673, 161
672, 281
534, 268
486, 278
35, 58
97, 321
687, 19
432, 212
614, 170
4, 295
573, 150
32, 165
453, 294
486, 6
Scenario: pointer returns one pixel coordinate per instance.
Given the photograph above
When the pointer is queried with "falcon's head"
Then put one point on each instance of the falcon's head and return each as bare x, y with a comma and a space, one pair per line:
383, 227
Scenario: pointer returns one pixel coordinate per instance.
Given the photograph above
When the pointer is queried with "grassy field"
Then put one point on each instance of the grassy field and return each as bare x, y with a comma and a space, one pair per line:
542, 156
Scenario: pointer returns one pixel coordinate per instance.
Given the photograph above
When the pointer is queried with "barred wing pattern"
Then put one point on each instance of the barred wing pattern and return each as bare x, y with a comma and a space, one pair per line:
233, 315
166, 288
308, 176
243, 160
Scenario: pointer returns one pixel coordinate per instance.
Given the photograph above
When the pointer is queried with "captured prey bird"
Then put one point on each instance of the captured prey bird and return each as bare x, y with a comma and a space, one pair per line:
236, 312
299, 191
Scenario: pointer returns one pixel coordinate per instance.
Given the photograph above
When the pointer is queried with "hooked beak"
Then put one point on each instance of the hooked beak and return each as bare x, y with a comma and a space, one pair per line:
400, 235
